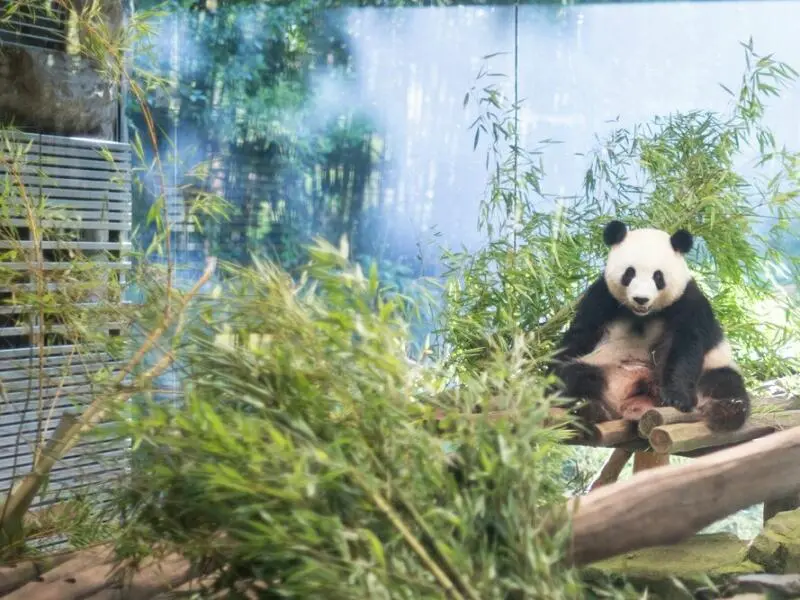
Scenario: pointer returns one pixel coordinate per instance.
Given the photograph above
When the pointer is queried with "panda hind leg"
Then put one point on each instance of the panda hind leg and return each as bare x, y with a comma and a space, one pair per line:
586, 385
723, 399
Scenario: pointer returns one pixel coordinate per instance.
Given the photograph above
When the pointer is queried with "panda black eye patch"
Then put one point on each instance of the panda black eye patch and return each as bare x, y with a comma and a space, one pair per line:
628, 276
658, 277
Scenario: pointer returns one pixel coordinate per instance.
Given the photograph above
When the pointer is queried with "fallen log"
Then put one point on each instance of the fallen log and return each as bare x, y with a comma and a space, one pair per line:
79, 561
196, 587
155, 577
667, 505
77, 586
15, 576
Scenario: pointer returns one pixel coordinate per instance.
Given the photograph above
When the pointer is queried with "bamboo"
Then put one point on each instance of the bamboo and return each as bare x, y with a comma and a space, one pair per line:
70, 429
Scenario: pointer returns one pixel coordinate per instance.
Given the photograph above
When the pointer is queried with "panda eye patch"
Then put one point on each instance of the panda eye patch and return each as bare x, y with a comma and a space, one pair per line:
658, 277
628, 276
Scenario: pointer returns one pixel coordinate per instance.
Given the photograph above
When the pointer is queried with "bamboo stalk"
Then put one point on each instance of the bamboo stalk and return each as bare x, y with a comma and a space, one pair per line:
70, 428
665, 415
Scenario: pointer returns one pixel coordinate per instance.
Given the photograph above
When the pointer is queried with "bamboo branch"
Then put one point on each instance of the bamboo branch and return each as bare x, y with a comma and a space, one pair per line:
70, 429
668, 505
413, 543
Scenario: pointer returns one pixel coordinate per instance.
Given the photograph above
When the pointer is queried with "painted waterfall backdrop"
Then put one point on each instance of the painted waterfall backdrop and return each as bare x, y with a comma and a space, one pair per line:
352, 122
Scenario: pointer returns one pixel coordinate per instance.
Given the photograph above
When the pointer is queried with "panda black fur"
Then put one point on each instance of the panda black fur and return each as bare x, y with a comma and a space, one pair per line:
646, 307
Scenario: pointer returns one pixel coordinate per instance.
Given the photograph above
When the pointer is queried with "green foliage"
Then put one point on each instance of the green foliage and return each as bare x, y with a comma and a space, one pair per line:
305, 454
682, 170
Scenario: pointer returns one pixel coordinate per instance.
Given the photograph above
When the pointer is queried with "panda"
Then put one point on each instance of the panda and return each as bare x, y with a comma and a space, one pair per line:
646, 309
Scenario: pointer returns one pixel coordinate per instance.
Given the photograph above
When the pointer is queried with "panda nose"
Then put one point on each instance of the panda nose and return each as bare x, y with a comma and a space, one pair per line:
640, 300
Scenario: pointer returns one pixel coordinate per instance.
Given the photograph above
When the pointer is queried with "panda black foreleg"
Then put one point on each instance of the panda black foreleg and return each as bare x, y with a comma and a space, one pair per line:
582, 380
594, 311
726, 404
684, 365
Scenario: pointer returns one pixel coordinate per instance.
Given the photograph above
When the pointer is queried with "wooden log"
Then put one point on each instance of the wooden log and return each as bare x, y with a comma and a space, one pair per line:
666, 506
155, 577
197, 586
686, 437
79, 585
79, 561
643, 461
612, 468
613, 433
15, 576
664, 415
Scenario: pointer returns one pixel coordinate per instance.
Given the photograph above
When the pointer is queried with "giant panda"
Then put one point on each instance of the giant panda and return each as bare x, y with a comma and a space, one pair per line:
646, 309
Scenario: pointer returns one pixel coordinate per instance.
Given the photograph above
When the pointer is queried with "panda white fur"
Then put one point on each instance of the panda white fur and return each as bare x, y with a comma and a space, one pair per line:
646, 307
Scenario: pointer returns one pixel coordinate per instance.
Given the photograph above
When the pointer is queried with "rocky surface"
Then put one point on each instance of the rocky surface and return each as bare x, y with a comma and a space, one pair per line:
777, 547
716, 557
57, 92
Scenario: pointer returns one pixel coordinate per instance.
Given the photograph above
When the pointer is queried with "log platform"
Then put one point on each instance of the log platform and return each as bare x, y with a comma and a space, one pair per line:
660, 433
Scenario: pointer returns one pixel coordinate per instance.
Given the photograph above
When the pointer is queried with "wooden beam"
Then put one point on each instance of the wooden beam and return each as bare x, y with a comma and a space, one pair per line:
612, 468
668, 505
649, 460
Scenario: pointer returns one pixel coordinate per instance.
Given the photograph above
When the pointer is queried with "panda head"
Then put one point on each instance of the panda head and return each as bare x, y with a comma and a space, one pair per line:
646, 270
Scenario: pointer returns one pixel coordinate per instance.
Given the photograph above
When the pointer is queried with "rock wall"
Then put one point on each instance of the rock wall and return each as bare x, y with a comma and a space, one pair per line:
55, 92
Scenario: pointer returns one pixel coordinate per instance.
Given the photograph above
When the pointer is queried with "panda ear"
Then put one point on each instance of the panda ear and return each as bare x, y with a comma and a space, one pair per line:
681, 241
614, 233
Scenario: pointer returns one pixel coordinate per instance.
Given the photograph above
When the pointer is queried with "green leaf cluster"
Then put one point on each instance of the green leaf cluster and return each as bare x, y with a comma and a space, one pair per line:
722, 176
307, 454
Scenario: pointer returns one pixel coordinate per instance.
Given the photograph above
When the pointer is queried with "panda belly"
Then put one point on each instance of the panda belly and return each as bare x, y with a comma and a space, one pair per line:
626, 342
621, 366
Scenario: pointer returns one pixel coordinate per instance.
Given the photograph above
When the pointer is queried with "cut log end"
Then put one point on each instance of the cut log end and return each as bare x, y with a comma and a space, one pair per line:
664, 415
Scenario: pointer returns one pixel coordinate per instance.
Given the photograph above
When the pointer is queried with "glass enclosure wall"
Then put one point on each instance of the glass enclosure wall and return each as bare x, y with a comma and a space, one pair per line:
352, 121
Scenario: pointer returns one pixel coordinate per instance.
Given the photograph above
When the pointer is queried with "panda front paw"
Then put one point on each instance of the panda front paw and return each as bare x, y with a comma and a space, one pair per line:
676, 397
